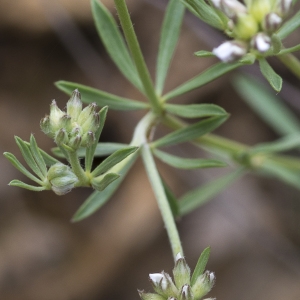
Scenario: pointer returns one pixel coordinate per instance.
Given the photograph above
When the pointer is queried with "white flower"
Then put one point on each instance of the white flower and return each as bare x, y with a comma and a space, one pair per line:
261, 42
230, 51
230, 8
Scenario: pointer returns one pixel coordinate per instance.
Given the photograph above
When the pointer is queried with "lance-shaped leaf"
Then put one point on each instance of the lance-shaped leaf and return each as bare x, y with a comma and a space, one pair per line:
206, 192
289, 50
23, 185
187, 163
204, 53
284, 144
190, 132
205, 77
267, 105
206, 13
14, 161
102, 182
48, 159
25, 150
97, 199
201, 264
168, 40
112, 160
114, 42
37, 156
273, 78
101, 98
282, 172
195, 110
290, 26
90, 151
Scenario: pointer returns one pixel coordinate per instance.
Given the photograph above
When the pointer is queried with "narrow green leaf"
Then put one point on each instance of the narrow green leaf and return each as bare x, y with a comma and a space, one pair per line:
102, 182
37, 156
284, 144
90, 151
97, 199
290, 26
276, 44
23, 185
25, 150
171, 199
281, 172
14, 161
207, 76
187, 163
101, 98
48, 159
274, 79
112, 160
201, 265
268, 106
195, 110
206, 192
205, 12
204, 53
113, 41
190, 132
168, 40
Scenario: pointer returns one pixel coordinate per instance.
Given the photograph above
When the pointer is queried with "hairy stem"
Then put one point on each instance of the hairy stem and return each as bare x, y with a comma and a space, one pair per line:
77, 169
291, 62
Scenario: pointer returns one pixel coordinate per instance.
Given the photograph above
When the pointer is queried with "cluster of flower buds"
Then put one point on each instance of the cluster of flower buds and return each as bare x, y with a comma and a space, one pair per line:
182, 288
251, 24
74, 128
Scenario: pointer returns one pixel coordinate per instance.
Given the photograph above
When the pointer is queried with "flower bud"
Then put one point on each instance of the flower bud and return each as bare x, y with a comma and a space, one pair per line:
150, 296
261, 42
260, 8
88, 139
61, 178
203, 284
61, 137
271, 22
230, 51
181, 272
55, 117
74, 105
245, 27
75, 142
283, 7
230, 8
66, 122
86, 113
163, 284
186, 293
91, 123
46, 127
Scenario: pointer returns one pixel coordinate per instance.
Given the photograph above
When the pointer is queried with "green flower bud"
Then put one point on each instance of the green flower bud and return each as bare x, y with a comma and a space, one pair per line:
75, 142
92, 123
88, 139
61, 178
61, 137
163, 284
259, 9
46, 127
150, 296
186, 293
181, 272
74, 105
55, 117
246, 27
203, 285
66, 122
86, 113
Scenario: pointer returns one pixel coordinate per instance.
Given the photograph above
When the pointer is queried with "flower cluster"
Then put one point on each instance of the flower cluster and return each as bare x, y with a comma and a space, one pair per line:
182, 288
251, 25
74, 128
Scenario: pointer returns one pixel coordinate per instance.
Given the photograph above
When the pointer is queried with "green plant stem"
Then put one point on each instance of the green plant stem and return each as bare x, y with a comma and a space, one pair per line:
137, 55
162, 200
77, 169
291, 62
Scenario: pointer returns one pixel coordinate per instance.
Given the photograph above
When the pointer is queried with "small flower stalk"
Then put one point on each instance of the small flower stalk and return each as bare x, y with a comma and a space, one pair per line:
251, 25
184, 287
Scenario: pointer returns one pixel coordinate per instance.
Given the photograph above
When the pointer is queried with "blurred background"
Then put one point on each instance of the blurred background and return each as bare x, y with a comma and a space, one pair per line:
253, 227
